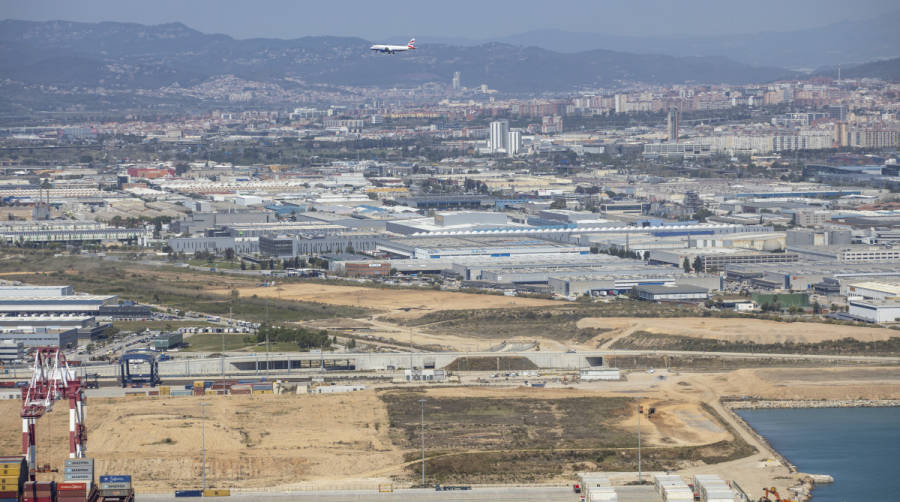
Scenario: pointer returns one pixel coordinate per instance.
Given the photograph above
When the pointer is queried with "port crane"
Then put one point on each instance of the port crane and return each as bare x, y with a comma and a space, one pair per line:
51, 380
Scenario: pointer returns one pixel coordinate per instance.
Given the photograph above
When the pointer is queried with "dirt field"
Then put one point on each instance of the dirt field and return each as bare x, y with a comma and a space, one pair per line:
751, 330
400, 302
252, 441
348, 440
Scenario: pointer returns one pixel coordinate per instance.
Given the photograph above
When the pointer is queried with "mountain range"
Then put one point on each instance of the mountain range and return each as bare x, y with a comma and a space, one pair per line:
134, 56
127, 55
845, 42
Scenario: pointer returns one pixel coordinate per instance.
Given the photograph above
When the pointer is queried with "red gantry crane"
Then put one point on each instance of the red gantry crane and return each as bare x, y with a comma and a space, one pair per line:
51, 380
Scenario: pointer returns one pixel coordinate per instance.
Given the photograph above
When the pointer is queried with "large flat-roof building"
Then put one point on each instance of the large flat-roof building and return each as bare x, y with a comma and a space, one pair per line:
681, 292
66, 339
486, 246
60, 305
877, 311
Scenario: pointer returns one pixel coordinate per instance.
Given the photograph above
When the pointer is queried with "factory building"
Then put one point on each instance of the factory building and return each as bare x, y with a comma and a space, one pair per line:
216, 245
602, 284
58, 305
35, 291
444, 202
774, 241
286, 246
812, 238
877, 311
11, 350
681, 292
45, 232
872, 290
485, 246
200, 221
67, 339
310, 229
850, 254
360, 268
86, 327
716, 259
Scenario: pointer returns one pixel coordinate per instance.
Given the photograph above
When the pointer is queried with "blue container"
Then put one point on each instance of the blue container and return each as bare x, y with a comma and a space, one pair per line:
188, 493
188, 387
207, 384
115, 479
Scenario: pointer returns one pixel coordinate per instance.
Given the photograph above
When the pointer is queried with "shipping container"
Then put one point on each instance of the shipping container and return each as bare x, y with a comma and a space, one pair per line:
188, 493
602, 494
115, 479
216, 493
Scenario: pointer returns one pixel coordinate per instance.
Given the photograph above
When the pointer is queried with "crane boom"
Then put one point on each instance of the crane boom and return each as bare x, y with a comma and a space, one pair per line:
51, 380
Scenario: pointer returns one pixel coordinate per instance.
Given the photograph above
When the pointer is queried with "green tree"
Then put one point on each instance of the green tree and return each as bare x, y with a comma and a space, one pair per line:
698, 264
686, 265
559, 203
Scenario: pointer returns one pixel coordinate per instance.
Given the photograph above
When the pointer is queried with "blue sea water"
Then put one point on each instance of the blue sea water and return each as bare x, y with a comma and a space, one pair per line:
859, 447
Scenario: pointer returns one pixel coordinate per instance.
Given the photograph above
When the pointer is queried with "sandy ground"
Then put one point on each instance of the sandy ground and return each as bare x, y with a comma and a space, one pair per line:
343, 440
252, 441
400, 302
755, 330
461, 342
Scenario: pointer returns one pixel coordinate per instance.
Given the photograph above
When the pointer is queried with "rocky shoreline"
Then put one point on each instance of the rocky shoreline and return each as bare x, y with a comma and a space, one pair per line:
806, 483
760, 404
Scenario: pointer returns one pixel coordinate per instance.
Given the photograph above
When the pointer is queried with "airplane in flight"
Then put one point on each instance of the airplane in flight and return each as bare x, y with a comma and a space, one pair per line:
393, 49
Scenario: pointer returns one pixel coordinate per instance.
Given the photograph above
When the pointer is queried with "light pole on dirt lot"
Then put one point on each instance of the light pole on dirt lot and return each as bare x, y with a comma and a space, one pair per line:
422, 403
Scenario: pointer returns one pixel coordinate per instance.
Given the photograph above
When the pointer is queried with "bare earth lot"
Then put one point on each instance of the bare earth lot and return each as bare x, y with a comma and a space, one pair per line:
357, 440
750, 330
412, 302
252, 441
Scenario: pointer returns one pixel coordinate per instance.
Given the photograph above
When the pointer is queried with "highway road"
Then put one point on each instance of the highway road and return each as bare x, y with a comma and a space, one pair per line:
507, 494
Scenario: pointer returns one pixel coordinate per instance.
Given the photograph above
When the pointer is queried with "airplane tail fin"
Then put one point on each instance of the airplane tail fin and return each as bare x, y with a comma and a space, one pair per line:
412, 44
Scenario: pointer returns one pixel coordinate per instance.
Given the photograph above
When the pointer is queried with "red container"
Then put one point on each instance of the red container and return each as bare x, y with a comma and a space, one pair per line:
68, 487
9, 494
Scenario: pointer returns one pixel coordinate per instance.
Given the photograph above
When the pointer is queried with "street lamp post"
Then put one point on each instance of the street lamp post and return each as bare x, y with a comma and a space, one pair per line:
203, 439
640, 412
422, 403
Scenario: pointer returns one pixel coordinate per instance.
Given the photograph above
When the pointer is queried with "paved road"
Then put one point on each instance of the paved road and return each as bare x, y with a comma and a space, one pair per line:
511, 494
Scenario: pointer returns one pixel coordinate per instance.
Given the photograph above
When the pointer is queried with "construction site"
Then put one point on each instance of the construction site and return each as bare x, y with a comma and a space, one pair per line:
411, 394
317, 430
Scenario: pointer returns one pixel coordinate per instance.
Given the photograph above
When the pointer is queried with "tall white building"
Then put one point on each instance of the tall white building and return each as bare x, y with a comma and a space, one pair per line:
513, 143
620, 102
499, 136
457, 84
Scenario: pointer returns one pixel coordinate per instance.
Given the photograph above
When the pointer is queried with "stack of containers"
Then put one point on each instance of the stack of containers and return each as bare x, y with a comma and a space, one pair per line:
39, 491
712, 488
598, 488
80, 470
181, 392
115, 486
672, 488
602, 494
71, 492
262, 388
199, 389
241, 389
13, 474
164, 390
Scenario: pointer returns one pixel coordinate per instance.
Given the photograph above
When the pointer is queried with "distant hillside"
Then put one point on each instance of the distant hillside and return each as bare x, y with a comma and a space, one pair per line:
839, 43
888, 69
131, 56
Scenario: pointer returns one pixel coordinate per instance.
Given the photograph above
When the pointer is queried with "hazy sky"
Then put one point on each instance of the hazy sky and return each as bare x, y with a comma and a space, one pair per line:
375, 19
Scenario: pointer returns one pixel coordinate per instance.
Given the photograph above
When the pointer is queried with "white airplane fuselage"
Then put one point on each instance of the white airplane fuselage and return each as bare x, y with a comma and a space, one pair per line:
393, 49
